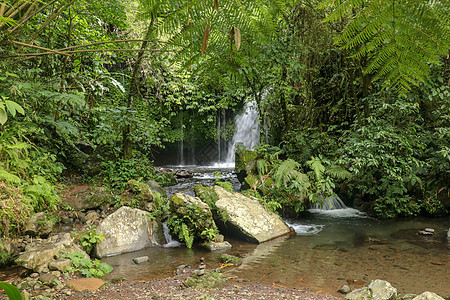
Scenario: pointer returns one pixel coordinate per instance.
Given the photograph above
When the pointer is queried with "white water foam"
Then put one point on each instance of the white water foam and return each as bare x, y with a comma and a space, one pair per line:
171, 243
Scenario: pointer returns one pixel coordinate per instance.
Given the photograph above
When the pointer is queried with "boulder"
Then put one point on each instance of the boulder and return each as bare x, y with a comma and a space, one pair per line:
248, 217
195, 214
377, 290
428, 296
126, 230
39, 224
38, 255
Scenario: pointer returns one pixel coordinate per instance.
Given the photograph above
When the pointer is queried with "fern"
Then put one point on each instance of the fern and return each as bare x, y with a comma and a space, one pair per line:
316, 165
186, 235
338, 172
400, 38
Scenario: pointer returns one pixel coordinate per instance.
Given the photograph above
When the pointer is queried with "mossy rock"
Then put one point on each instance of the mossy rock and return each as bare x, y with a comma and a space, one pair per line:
192, 214
206, 194
244, 159
230, 259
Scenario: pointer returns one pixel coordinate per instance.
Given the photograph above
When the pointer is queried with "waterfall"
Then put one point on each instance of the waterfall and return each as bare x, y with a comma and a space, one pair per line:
247, 130
219, 146
170, 242
332, 202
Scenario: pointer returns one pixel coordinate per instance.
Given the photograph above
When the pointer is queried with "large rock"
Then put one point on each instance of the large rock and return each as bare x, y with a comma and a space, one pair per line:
38, 255
39, 224
428, 296
126, 230
377, 290
249, 217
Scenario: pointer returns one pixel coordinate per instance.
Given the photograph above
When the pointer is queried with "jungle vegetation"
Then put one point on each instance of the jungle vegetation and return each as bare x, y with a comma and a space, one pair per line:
363, 85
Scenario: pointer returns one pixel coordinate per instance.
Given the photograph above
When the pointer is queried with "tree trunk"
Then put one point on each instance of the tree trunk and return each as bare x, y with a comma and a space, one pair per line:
127, 144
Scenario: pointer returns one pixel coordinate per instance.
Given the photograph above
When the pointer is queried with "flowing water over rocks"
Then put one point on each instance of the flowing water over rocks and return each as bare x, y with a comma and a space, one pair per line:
331, 248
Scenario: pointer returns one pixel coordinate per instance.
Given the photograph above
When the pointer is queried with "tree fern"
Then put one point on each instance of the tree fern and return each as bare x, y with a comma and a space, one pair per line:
401, 38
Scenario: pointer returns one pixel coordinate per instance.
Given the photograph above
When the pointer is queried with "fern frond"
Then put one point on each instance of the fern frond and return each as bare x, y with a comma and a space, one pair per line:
316, 165
338, 172
286, 172
402, 39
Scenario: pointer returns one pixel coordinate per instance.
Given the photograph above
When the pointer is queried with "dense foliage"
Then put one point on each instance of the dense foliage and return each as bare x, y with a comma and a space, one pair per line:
100, 87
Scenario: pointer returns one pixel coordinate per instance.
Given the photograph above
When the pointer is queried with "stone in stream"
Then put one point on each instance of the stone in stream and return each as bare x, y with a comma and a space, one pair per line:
248, 217
126, 230
141, 259
345, 289
214, 246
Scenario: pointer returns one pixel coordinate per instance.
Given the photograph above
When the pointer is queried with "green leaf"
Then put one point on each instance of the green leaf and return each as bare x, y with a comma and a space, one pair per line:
13, 107
3, 116
10, 290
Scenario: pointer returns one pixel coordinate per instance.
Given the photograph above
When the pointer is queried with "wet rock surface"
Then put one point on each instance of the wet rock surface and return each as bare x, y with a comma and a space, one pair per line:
249, 217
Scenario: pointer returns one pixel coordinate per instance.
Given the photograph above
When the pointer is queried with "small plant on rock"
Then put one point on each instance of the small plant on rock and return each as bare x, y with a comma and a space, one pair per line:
88, 238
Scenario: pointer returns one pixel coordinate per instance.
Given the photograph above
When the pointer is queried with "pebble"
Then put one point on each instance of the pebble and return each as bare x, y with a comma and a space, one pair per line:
345, 289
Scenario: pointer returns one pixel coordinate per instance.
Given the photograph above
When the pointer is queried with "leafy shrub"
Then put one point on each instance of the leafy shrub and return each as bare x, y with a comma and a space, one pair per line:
88, 238
86, 266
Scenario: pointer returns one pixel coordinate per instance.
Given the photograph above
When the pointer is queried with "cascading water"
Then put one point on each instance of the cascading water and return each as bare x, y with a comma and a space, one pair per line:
332, 202
170, 242
247, 130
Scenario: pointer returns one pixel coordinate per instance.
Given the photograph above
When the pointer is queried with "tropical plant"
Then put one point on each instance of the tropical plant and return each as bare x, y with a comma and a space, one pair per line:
400, 39
11, 291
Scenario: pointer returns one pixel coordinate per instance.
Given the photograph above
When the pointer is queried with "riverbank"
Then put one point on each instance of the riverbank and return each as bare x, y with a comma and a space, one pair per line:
172, 288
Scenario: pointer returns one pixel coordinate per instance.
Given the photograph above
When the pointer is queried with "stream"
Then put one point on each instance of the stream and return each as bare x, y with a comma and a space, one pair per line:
330, 248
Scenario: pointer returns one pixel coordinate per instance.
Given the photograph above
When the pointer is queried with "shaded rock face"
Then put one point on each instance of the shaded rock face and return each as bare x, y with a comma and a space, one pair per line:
38, 255
126, 230
91, 199
249, 217
38, 225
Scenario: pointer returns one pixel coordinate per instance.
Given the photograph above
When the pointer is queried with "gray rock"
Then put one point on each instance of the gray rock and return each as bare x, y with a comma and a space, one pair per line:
154, 186
377, 290
213, 246
47, 279
345, 289
141, 259
429, 230
428, 296
61, 265
37, 256
126, 230
38, 225
90, 217
382, 290
359, 294
249, 217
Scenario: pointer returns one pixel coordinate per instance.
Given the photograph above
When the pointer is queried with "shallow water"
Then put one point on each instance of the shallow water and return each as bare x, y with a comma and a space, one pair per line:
330, 249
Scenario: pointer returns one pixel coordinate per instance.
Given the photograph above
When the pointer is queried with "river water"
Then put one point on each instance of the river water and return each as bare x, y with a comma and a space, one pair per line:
330, 248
